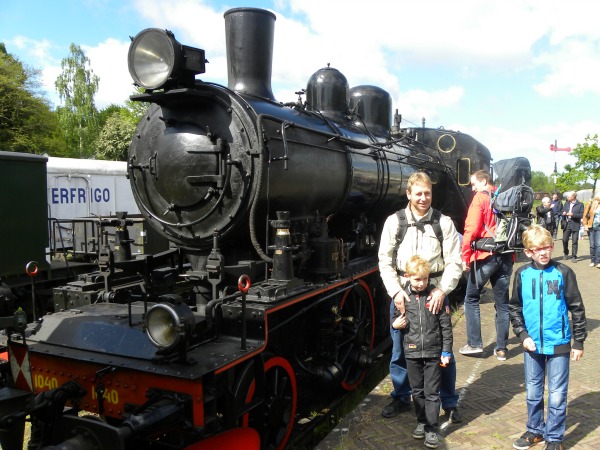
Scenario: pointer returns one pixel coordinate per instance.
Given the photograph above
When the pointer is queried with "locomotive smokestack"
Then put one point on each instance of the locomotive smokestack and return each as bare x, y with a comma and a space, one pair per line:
249, 35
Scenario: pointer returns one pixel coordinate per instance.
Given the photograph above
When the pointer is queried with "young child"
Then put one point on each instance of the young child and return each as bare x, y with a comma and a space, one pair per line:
427, 340
544, 292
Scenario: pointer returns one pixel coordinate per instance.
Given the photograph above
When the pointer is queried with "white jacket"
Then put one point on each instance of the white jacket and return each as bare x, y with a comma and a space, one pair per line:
425, 245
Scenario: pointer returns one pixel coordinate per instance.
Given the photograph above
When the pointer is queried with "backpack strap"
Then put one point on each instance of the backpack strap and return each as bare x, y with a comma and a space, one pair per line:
403, 225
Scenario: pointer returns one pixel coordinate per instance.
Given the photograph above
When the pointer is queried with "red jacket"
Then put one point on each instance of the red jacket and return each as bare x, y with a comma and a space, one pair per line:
479, 215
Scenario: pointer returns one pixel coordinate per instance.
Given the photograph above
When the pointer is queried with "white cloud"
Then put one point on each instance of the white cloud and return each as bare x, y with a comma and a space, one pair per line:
109, 62
459, 64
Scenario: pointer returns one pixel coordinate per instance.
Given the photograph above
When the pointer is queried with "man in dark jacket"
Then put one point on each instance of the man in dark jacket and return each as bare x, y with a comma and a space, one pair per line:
545, 215
557, 209
572, 214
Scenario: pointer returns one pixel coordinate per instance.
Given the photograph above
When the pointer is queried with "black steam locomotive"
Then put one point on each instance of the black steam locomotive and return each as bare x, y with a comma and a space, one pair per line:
270, 297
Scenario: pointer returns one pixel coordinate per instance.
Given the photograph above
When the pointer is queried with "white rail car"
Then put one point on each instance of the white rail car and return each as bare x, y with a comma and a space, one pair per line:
88, 188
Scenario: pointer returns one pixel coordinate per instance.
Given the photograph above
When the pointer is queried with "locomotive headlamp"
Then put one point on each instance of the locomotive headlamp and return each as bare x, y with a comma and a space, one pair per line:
156, 60
168, 325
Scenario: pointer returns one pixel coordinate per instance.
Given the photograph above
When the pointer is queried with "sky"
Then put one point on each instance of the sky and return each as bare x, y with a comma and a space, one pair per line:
517, 75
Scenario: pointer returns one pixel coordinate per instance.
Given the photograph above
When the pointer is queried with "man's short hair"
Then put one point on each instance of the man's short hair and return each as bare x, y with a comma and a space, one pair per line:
536, 236
483, 175
418, 178
418, 266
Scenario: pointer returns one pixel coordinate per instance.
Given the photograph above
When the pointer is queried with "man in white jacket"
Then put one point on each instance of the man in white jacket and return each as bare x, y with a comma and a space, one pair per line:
434, 238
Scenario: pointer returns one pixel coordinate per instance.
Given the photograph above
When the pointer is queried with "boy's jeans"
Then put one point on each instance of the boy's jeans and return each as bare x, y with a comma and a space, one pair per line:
553, 429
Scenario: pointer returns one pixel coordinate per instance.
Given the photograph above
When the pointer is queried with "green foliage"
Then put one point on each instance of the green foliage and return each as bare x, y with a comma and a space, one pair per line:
138, 109
115, 136
77, 86
26, 122
540, 182
587, 167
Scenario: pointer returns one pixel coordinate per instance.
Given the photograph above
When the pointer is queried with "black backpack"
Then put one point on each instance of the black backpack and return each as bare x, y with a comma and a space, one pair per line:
512, 208
403, 228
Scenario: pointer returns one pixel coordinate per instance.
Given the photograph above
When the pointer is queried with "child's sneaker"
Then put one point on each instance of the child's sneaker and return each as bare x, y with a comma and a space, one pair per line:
554, 446
419, 432
527, 440
432, 440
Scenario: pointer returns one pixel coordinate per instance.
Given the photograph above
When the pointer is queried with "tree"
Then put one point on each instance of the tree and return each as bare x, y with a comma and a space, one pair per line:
137, 109
27, 123
76, 86
540, 182
586, 168
115, 136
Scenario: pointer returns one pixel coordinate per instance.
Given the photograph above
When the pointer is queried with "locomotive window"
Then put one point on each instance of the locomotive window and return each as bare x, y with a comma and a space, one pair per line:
463, 171
446, 143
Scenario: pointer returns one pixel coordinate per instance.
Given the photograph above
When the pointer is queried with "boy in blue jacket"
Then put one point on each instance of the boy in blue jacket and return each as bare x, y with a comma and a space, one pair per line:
544, 292
427, 341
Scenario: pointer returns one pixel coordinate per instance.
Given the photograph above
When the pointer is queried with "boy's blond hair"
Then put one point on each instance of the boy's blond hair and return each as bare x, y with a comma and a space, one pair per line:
417, 266
536, 236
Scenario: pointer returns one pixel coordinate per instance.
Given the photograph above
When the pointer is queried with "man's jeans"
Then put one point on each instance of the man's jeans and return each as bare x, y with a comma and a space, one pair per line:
497, 269
399, 375
553, 429
595, 245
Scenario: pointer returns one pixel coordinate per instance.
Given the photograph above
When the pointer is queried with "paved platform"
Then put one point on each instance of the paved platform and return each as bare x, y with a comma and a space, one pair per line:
492, 392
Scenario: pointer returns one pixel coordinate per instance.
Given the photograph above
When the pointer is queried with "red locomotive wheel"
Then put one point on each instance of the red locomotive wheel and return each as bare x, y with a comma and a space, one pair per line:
275, 420
246, 438
358, 313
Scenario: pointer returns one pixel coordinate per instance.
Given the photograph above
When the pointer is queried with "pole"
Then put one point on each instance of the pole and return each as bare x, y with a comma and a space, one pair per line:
555, 169
554, 148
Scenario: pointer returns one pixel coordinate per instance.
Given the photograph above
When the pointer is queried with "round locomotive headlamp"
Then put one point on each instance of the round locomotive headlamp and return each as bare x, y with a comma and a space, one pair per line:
167, 325
153, 55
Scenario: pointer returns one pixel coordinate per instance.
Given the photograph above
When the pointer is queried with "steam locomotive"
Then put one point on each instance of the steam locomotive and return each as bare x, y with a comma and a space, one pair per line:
270, 298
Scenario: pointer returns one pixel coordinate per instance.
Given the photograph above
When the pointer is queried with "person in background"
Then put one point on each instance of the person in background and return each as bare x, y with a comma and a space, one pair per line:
591, 224
572, 215
427, 342
557, 209
544, 293
545, 215
444, 259
484, 266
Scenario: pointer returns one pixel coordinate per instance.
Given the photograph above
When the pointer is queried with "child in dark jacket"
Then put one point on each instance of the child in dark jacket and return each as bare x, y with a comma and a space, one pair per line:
544, 293
427, 341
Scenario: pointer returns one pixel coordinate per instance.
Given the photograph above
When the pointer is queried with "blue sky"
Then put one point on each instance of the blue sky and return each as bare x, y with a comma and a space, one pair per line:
517, 75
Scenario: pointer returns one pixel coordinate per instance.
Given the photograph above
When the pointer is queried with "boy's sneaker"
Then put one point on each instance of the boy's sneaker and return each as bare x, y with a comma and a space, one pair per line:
468, 350
527, 440
432, 440
419, 432
554, 446
500, 354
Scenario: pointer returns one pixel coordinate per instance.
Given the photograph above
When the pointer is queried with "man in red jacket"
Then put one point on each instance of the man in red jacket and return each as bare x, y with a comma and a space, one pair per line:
483, 266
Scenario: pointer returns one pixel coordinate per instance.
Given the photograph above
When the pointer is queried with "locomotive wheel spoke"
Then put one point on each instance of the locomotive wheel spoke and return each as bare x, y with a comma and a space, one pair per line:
274, 419
358, 313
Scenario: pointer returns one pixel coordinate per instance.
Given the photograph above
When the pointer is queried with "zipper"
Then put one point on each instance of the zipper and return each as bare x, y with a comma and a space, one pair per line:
421, 325
541, 311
